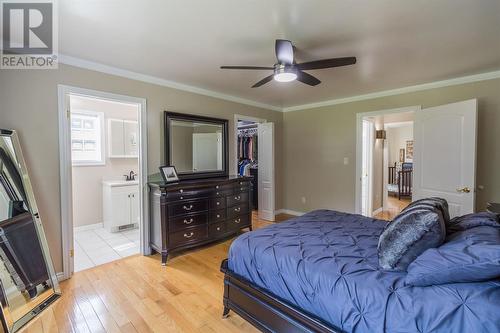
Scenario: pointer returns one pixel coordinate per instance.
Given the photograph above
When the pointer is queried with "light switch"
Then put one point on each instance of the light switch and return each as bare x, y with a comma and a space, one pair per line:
346, 160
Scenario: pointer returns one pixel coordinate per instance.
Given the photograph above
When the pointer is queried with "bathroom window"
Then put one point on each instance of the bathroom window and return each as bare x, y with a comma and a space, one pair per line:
87, 137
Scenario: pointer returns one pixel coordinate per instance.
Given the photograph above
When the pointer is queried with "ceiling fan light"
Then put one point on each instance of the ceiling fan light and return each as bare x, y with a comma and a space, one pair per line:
285, 76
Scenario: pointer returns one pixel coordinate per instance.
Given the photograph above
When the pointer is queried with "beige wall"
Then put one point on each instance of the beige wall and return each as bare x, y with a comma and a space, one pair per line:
316, 141
396, 140
28, 103
87, 180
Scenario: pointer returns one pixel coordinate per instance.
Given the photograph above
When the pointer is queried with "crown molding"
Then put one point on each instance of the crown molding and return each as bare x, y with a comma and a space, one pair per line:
98, 67
398, 91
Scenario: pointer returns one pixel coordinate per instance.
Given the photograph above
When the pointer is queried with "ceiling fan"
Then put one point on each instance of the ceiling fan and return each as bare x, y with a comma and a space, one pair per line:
287, 70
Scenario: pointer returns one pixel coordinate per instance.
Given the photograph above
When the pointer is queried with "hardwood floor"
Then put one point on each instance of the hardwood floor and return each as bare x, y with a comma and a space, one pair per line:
395, 207
137, 294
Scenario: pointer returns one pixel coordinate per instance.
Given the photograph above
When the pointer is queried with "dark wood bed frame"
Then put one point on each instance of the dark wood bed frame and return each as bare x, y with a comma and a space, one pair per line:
265, 311
404, 180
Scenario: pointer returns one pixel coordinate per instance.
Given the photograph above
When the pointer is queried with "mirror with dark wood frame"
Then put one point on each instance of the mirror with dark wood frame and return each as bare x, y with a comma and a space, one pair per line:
28, 283
197, 146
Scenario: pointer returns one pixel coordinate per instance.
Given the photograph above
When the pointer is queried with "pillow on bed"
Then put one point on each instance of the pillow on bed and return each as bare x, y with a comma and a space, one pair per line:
409, 235
469, 221
470, 255
436, 202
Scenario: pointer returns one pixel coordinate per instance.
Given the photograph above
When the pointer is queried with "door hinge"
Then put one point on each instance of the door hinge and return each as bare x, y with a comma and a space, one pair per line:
72, 253
68, 113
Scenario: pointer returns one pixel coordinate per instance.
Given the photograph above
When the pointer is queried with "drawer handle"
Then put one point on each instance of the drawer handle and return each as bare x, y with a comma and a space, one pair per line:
217, 187
218, 228
217, 193
237, 198
237, 221
188, 208
191, 234
218, 215
181, 190
241, 183
189, 222
218, 203
237, 209
241, 189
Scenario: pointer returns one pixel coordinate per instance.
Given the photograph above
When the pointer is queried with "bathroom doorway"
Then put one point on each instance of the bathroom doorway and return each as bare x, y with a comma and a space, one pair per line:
104, 179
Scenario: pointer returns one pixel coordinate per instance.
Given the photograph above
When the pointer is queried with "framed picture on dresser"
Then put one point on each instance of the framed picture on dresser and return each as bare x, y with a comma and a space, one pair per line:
169, 174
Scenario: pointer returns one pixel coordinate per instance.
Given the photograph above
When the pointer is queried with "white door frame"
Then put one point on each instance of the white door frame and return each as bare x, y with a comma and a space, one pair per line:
238, 117
371, 143
66, 168
359, 145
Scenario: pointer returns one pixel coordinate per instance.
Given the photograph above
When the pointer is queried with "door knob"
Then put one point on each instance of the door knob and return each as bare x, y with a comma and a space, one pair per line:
463, 190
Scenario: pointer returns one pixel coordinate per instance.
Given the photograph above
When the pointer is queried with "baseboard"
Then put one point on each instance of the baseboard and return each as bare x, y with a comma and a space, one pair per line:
289, 212
378, 211
60, 276
88, 227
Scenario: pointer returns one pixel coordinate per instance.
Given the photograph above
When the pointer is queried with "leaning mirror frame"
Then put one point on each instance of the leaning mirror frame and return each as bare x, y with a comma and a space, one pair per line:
8, 322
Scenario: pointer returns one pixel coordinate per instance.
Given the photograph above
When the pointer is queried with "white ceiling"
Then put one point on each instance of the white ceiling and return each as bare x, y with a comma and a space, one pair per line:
397, 43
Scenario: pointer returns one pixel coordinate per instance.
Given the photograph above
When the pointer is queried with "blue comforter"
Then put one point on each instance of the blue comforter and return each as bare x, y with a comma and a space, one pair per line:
326, 263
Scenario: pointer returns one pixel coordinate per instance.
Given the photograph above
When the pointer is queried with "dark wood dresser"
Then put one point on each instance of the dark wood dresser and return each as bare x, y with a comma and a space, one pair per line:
195, 212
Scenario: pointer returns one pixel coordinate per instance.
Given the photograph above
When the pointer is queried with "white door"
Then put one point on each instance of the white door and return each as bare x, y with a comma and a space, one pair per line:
206, 151
445, 155
266, 171
135, 213
120, 203
366, 171
130, 138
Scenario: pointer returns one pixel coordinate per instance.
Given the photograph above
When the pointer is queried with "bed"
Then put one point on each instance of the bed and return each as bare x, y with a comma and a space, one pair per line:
320, 273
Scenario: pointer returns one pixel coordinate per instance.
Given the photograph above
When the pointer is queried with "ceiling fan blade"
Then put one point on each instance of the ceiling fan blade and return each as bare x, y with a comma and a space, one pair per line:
326, 63
247, 67
307, 79
263, 81
284, 51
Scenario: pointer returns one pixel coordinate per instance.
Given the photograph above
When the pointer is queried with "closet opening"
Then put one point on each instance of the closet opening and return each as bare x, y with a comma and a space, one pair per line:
248, 156
254, 153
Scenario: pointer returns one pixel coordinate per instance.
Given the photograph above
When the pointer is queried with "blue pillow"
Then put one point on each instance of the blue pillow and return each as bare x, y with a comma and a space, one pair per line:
469, 221
471, 255
436, 202
409, 235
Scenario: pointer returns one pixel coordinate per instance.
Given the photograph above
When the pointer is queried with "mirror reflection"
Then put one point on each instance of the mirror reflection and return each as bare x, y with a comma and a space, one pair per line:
196, 146
26, 278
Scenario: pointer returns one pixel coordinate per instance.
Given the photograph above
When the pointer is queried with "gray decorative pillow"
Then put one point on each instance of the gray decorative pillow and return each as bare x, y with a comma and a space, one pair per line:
436, 202
409, 235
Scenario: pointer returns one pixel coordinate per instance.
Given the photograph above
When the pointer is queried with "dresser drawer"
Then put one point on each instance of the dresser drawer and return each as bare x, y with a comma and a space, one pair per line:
184, 194
237, 210
217, 203
241, 188
187, 207
217, 216
237, 222
183, 222
188, 236
237, 199
217, 229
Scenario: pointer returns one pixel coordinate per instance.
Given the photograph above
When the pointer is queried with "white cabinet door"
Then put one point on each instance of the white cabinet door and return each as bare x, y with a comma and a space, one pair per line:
266, 171
130, 138
445, 155
120, 202
115, 138
134, 206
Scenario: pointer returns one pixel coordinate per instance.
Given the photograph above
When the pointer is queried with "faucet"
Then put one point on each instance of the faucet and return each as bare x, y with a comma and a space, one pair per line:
130, 176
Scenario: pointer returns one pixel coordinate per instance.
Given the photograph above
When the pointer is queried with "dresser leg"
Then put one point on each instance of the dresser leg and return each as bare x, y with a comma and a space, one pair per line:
250, 227
225, 314
164, 256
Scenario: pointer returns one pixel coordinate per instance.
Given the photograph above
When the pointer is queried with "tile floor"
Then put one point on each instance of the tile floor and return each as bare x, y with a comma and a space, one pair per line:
97, 246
